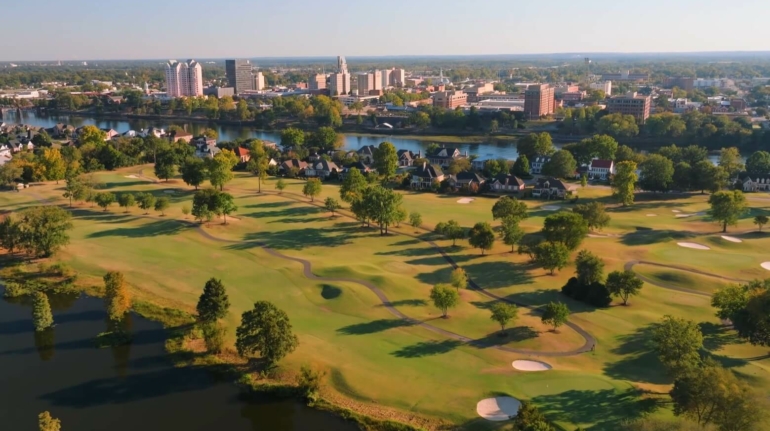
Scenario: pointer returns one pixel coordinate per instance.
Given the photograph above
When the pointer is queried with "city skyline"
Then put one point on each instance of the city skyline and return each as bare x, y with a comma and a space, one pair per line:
293, 29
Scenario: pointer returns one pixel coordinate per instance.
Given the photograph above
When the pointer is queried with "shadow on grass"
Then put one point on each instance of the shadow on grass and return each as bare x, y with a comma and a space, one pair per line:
716, 336
606, 408
406, 303
515, 334
640, 363
373, 327
427, 348
488, 275
542, 297
411, 252
644, 236
269, 205
291, 220
299, 211
157, 228
298, 239
330, 292
440, 260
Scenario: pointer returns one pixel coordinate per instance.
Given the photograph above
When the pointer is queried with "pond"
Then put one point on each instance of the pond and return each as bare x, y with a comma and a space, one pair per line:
125, 388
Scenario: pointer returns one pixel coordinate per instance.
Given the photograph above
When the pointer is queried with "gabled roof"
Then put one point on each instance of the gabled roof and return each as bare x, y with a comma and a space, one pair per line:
294, 163
405, 154
469, 176
324, 165
428, 171
598, 163
367, 150
361, 166
241, 152
540, 159
551, 183
509, 180
445, 152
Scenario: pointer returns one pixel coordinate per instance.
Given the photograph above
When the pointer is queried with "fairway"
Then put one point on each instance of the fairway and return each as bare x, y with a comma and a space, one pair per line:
360, 304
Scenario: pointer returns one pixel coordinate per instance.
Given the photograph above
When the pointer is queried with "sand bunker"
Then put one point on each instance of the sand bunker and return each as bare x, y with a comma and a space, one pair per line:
652, 215
731, 238
551, 208
675, 211
531, 366
683, 215
766, 265
131, 176
498, 409
465, 200
692, 245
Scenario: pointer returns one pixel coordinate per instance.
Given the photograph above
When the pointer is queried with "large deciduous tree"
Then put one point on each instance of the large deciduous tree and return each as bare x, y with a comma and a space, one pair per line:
220, 168
748, 308
657, 174
266, 330
386, 159
535, 144
758, 164
561, 165
193, 171
589, 268
551, 255
353, 186
678, 343
567, 228
555, 314
459, 278
444, 298
727, 207
624, 182
451, 230
508, 206
624, 284
503, 313
511, 232
41, 231
312, 188
594, 214
481, 236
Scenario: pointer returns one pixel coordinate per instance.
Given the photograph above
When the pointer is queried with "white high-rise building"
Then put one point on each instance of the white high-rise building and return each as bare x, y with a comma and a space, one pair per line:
605, 86
259, 81
184, 79
342, 65
398, 77
384, 79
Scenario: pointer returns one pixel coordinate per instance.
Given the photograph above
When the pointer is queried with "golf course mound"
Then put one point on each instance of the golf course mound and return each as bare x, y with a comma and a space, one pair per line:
498, 409
766, 265
731, 238
693, 245
522, 365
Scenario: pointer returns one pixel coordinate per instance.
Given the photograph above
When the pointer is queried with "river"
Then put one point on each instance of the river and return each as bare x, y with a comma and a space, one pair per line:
125, 388
489, 150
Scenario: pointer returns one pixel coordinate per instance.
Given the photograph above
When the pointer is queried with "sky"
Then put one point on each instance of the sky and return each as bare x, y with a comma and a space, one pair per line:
160, 29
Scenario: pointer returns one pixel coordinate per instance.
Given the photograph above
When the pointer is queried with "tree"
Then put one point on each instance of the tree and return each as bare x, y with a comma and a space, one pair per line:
535, 144
459, 279
555, 314
55, 167
193, 171
503, 313
225, 205
165, 164
116, 295
353, 186
589, 268
259, 163
618, 126
73, 188
46, 422
594, 214
162, 203
126, 200
624, 182
561, 165
220, 168
213, 303
748, 308
42, 231
521, 166
380, 205
508, 206
727, 207
280, 185
730, 161
683, 176
292, 138
583, 181
459, 165
331, 205
185, 210
551, 255
451, 230
758, 164
312, 188
415, 220
267, 330
10, 234
760, 221
444, 298
511, 232
624, 284
567, 228
657, 174
386, 159
677, 343
104, 199
481, 236
529, 418
214, 335
146, 201
42, 317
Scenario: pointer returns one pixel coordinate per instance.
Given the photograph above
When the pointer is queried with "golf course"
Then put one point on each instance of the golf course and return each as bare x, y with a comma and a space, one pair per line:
360, 301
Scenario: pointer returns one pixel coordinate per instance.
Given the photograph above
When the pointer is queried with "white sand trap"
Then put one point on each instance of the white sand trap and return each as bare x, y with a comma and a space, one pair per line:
692, 245
171, 192
652, 215
683, 215
131, 176
531, 366
731, 238
465, 200
498, 409
675, 211
766, 265
551, 208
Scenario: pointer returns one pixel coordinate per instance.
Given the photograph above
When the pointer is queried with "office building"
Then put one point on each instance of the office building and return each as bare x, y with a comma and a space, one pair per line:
184, 79
626, 76
449, 99
317, 82
339, 84
682, 82
384, 79
366, 83
398, 77
538, 101
631, 103
605, 86
342, 65
259, 81
219, 92
476, 93
239, 75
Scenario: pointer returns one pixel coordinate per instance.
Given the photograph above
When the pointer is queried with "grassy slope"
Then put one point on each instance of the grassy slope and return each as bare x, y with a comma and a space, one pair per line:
342, 327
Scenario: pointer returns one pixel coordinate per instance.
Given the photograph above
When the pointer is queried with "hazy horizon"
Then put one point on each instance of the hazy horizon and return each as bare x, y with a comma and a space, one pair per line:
145, 29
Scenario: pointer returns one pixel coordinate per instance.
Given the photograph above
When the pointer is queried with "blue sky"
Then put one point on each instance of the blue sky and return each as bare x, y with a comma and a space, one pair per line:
137, 29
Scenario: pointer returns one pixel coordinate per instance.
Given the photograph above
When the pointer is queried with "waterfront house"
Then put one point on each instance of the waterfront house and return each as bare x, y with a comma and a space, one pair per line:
536, 164
321, 169
601, 169
443, 156
425, 175
406, 158
243, 154
552, 188
366, 154
466, 180
507, 183
756, 184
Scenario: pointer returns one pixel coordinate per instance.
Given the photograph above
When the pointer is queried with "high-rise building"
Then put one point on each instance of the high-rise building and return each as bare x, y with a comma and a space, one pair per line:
631, 104
339, 84
239, 75
342, 65
398, 77
259, 81
538, 101
384, 79
317, 82
449, 99
184, 79
366, 83
605, 86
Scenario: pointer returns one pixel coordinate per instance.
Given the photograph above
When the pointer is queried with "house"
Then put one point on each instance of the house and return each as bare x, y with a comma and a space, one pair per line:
321, 169
466, 180
406, 158
5, 157
270, 144
203, 140
361, 166
443, 156
129, 134
152, 131
552, 188
109, 133
272, 162
242, 153
293, 164
756, 184
507, 183
206, 151
176, 136
366, 154
425, 175
601, 169
478, 164
536, 164
17, 146
60, 130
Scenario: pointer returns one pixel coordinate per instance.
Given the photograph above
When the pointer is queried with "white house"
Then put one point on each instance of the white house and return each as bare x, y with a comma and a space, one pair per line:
756, 184
536, 164
601, 169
